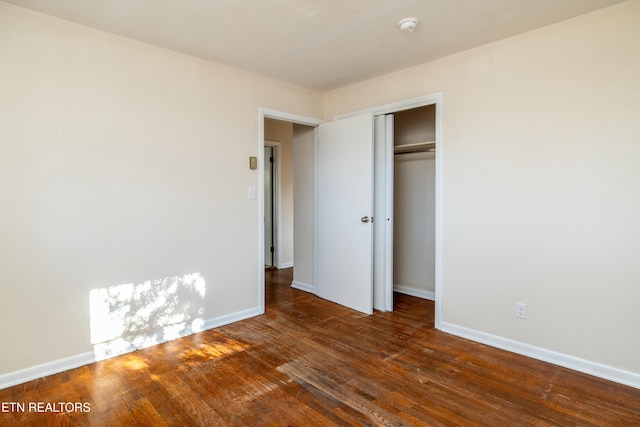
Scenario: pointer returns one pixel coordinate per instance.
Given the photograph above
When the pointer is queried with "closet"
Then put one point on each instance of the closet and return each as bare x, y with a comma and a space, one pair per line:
414, 201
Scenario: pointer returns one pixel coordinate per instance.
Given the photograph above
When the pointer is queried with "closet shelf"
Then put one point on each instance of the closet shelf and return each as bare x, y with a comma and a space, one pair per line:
414, 148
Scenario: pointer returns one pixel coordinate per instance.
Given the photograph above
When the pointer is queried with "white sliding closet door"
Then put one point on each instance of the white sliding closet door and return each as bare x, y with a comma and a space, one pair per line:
383, 214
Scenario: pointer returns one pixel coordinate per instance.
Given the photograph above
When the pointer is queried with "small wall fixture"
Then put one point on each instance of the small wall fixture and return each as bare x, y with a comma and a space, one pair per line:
407, 25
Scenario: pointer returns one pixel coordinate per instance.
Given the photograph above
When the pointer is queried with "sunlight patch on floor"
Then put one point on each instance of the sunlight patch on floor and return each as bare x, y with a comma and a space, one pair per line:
135, 363
194, 355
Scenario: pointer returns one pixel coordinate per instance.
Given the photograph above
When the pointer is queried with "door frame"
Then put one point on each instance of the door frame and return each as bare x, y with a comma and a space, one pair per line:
268, 113
407, 104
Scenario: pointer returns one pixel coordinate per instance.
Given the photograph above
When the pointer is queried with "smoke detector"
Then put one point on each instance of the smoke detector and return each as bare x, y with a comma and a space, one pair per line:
407, 25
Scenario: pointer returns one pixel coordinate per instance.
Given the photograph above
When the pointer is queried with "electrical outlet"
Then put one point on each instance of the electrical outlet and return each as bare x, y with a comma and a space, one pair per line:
521, 310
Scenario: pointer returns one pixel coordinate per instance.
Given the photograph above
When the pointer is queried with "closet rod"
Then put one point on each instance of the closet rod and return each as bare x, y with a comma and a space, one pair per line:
414, 148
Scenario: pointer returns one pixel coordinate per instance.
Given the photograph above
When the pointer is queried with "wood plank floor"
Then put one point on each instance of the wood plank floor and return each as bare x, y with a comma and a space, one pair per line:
309, 362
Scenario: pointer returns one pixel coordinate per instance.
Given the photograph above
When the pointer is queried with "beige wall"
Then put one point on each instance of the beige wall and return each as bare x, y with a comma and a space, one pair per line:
540, 182
282, 132
120, 163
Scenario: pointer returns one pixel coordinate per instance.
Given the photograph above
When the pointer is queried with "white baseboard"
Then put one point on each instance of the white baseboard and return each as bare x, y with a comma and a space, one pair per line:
575, 363
285, 265
419, 293
46, 369
231, 318
303, 287
72, 362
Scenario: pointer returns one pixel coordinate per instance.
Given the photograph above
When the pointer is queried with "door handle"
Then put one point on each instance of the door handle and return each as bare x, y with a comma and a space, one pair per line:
365, 219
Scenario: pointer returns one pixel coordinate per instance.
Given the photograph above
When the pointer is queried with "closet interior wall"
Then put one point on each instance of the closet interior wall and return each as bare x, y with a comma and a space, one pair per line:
414, 204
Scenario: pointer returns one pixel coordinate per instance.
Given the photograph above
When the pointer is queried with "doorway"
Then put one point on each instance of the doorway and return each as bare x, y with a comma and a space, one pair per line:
293, 176
384, 171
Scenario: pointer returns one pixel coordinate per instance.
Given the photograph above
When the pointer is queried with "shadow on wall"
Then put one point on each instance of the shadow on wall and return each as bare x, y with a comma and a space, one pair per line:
129, 317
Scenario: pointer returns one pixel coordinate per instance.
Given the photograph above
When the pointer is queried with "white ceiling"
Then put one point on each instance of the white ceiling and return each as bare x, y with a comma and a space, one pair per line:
318, 44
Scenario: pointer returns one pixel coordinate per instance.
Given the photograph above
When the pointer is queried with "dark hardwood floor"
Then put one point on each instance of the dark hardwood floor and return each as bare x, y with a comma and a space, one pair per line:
309, 362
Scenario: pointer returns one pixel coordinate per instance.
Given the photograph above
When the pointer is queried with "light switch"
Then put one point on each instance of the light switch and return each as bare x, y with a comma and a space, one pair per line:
252, 193
253, 163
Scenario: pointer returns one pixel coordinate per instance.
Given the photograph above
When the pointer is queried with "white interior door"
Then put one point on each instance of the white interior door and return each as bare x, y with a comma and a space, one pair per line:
345, 209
